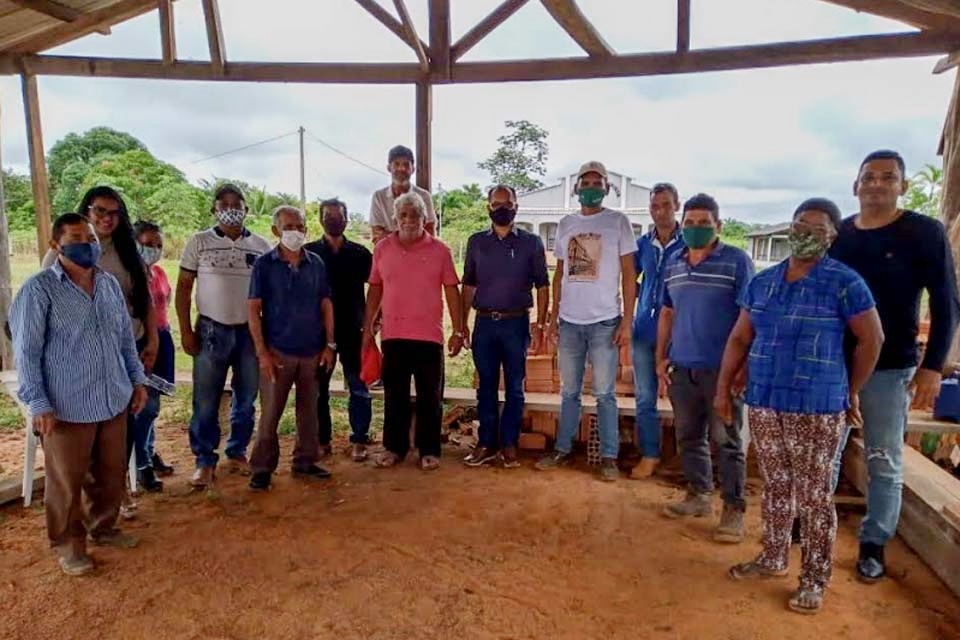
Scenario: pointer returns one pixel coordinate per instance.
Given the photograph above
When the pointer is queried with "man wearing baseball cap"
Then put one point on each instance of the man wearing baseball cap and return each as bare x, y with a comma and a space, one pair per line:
594, 291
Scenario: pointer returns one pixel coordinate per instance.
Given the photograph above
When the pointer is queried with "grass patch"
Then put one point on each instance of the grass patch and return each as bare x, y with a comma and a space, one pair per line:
10, 417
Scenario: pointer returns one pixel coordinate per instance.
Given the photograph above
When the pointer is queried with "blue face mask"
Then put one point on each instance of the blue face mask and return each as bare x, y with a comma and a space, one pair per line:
82, 254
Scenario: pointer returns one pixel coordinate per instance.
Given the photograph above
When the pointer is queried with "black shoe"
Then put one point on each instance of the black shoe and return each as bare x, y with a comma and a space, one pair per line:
148, 480
311, 471
870, 564
795, 532
260, 481
161, 468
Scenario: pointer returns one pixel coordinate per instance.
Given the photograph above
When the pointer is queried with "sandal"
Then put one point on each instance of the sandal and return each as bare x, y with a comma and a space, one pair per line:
806, 601
387, 459
754, 570
430, 463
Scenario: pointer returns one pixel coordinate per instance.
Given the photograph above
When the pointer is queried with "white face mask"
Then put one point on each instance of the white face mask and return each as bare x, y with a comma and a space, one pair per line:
293, 239
150, 255
231, 217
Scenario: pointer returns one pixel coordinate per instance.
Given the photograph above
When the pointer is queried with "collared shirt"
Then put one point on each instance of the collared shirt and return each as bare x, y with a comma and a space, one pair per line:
75, 353
650, 259
291, 298
796, 361
381, 207
223, 268
503, 270
413, 278
347, 272
705, 302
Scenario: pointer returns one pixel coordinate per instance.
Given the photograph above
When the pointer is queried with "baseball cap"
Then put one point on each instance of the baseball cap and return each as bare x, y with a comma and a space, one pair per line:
592, 166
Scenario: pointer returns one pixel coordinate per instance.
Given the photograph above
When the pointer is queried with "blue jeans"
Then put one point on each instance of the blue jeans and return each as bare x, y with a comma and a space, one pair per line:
884, 403
222, 347
645, 387
577, 342
495, 344
359, 406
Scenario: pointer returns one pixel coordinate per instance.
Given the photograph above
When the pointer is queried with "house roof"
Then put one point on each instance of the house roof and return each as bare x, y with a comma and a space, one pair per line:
770, 230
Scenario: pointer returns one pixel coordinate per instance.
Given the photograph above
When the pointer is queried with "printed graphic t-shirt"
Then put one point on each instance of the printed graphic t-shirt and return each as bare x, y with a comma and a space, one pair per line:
591, 248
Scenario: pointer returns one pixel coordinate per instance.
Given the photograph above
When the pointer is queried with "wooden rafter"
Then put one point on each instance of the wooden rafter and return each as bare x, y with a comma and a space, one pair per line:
86, 23
683, 25
496, 17
410, 31
439, 12
168, 33
383, 16
56, 10
908, 13
947, 62
568, 15
218, 51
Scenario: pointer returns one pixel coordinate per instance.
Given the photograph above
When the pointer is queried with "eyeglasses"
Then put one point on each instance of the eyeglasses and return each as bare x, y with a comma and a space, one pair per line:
100, 212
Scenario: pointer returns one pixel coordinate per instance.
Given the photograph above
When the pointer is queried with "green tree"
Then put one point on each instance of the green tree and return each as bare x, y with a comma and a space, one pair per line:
85, 148
18, 201
925, 192
521, 156
735, 232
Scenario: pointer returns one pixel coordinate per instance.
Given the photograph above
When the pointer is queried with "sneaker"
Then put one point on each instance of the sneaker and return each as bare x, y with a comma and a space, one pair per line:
76, 565
114, 538
608, 470
645, 469
239, 465
202, 477
128, 508
480, 456
311, 471
359, 453
730, 528
870, 565
260, 481
148, 480
509, 459
161, 468
694, 504
553, 461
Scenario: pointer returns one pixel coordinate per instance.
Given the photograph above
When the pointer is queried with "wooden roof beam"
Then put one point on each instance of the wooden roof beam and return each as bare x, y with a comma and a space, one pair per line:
440, 36
86, 23
410, 33
908, 13
218, 50
568, 15
56, 10
683, 26
383, 16
496, 17
168, 32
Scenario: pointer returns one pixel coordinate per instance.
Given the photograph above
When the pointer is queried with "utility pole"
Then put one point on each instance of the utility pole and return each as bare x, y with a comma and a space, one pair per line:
303, 184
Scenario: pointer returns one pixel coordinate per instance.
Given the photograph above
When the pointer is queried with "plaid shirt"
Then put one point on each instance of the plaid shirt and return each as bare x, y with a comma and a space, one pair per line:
796, 362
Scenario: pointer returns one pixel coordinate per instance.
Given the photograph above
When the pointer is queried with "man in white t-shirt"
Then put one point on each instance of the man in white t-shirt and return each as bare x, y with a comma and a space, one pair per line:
401, 166
594, 250
220, 260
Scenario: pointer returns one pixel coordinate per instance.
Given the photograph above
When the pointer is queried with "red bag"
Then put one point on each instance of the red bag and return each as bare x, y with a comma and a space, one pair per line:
371, 364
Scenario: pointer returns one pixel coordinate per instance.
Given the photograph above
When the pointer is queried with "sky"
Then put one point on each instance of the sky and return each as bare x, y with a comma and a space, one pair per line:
760, 141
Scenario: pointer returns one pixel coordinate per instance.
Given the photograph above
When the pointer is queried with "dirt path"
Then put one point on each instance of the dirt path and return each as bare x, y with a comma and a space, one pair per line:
457, 554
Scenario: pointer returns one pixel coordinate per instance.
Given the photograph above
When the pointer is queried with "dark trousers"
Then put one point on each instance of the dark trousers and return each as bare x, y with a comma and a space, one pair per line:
84, 466
423, 361
359, 407
500, 344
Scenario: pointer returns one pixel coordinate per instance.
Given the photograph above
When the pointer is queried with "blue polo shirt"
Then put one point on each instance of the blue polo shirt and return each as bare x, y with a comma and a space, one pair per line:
651, 260
504, 270
796, 362
291, 299
706, 302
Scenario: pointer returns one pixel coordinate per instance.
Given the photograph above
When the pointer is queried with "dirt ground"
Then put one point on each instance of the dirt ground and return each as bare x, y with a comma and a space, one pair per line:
464, 554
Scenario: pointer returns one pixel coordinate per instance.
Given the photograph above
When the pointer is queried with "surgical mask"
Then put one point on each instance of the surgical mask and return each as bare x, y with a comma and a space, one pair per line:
293, 239
334, 227
591, 196
698, 237
231, 217
82, 254
150, 255
503, 216
807, 245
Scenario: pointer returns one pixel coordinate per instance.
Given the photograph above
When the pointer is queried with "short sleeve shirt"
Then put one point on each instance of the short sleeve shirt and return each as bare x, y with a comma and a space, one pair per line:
413, 278
223, 267
381, 207
591, 248
796, 362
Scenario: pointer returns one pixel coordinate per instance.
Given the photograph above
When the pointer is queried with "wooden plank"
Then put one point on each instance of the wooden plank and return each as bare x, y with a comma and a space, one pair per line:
440, 37
493, 20
11, 489
215, 43
424, 133
683, 26
6, 290
569, 16
88, 23
38, 164
168, 32
410, 33
383, 16
903, 12
56, 10
947, 62
927, 489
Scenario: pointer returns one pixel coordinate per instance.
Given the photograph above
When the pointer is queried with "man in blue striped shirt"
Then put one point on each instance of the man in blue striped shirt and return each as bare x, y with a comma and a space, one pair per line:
79, 372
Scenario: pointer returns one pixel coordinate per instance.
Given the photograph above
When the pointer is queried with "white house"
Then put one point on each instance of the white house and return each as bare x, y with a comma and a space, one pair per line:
540, 210
768, 245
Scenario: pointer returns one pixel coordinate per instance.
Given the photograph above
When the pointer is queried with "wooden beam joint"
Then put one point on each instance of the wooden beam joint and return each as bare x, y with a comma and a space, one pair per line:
569, 16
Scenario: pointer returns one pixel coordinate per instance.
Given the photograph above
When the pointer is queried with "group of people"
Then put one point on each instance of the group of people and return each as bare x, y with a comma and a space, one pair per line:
823, 341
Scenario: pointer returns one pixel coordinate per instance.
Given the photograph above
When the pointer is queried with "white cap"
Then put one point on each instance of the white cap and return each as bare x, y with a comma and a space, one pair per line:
592, 166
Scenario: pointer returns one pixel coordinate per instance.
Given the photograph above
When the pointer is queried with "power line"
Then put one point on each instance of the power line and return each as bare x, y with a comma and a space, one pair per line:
245, 147
346, 155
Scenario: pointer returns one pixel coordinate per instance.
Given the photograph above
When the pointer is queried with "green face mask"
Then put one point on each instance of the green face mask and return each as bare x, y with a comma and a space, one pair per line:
591, 196
806, 245
698, 237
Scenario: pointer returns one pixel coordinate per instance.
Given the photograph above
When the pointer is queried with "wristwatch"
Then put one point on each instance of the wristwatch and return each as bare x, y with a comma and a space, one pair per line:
332, 346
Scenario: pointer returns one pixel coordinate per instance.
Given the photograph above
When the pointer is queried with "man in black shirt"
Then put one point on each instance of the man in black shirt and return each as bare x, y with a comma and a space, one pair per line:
348, 268
900, 254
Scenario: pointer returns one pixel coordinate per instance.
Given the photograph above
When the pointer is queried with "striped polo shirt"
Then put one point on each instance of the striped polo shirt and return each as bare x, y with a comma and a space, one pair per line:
706, 301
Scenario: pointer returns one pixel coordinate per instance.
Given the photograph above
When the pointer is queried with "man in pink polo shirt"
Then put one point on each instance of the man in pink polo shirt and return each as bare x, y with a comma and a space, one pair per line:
410, 267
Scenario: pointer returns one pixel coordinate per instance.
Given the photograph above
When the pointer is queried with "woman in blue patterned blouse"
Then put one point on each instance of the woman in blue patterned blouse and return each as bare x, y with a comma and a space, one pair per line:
800, 392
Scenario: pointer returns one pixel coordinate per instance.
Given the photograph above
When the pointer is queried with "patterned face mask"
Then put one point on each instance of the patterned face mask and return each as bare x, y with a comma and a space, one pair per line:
231, 217
807, 245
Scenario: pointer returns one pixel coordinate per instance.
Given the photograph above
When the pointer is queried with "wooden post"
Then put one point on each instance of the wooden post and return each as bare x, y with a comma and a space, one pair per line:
6, 290
38, 164
683, 26
168, 32
950, 200
440, 37
424, 137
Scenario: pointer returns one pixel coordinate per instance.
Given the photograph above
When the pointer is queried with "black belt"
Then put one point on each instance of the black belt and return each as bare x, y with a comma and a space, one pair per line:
508, 314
